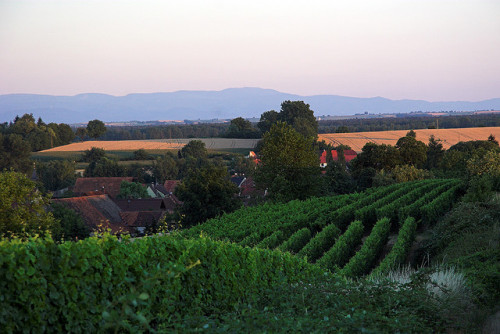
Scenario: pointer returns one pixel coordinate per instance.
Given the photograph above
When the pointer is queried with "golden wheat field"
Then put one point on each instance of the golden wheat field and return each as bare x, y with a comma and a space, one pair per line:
448, 137
155, 144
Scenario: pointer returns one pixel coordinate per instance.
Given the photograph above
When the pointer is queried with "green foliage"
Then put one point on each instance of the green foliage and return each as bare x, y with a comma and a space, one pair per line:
94, 154
344, 247
296, 241
406, 173
401, 248
272, 241
267, 119
435, 153
104, 283
433, 210
206, 193
104, 167
165, 168
14, 153
22, 208
320, 243
130, 190
95, 128
195, 149
364, 259
69, 225
289, 166
242, 128
412, 151
141, 154
56, 174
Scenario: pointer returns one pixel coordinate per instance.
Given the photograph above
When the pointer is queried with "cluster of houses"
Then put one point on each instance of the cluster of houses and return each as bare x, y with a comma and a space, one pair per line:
96, 200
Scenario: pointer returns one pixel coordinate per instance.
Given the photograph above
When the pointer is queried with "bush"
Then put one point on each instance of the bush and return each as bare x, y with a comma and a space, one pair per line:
271, 241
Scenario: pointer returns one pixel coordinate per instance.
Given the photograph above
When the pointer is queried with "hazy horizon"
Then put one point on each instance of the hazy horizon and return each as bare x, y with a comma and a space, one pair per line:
423, 50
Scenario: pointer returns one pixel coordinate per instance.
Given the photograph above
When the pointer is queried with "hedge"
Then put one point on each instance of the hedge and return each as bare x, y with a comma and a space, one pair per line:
90, 285
272, 241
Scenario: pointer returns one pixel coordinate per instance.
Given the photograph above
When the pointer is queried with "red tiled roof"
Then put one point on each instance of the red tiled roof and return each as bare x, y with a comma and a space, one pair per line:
141, 218
170, 185
322, 158
103, 185
143, 204
95, 210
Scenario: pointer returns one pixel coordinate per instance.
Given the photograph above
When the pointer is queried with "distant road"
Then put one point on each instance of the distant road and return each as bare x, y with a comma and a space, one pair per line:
449, 137
155, 144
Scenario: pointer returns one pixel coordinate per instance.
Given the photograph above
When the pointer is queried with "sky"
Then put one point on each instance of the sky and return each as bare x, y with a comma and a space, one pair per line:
435, 50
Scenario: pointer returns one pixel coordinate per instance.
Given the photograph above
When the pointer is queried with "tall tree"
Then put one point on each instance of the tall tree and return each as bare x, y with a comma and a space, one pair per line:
267, 119
165, 168
22, 208
56, 174
289, 166
241, 128
412, 151
95, 128
300, 116
14, 153
206, 193
195, 149
435, 153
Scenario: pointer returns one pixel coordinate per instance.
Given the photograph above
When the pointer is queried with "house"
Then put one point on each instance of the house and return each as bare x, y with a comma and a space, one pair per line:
348, 156
97, 211
237, 180
157, 191
139, 221
99, 185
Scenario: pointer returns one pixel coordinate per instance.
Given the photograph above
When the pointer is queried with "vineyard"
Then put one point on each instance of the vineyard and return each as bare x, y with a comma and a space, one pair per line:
344, 234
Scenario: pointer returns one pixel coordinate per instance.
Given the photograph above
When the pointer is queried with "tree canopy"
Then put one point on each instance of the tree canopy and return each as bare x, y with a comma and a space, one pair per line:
95, 128
206, 193
289, 164
22, 208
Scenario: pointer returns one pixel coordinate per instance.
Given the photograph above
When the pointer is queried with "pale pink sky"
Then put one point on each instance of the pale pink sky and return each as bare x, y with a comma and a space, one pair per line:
426, 49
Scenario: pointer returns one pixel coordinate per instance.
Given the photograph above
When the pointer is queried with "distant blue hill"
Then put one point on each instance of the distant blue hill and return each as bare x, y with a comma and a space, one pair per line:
192, 105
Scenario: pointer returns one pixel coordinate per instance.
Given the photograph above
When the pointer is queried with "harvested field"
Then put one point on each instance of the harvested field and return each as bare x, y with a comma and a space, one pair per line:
448, 137
156, 144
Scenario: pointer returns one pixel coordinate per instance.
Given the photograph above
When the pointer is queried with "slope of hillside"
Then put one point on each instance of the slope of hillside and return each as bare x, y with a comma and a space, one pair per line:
449, 137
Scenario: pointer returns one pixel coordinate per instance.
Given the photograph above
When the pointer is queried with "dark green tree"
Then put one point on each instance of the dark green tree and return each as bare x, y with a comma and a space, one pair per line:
94, 154
206, 193
104, 167
56, 174
81, 133
14, 153
412, 151
289, 166
241, 128
337, 178
69, 224
141, 154
130, 190
435, 153
165, 168
22, 208
195, 149
267, 119
95, 128
299, 115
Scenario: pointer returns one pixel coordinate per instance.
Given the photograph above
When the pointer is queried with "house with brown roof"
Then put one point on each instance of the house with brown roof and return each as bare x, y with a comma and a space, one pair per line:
99, 185
97, 211
170, 185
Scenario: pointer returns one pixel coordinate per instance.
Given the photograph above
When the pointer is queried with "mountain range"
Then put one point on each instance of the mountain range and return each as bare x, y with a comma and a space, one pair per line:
193, 105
